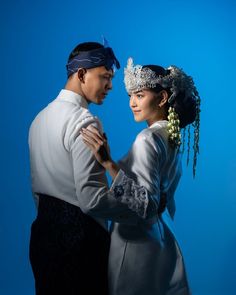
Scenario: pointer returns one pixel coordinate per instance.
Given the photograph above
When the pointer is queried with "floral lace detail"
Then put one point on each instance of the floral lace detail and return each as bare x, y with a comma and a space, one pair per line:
131, 194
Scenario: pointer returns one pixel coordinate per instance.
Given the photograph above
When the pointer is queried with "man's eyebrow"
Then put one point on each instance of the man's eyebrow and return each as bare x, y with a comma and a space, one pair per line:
109, 74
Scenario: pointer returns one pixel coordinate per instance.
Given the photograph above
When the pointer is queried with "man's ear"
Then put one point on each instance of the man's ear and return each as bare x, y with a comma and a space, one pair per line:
81, 74
164, 98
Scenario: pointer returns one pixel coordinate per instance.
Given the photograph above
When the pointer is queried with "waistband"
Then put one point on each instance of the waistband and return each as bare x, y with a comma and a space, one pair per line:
54, 210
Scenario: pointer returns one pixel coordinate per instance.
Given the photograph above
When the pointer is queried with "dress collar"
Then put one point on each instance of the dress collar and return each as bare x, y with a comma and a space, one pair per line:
71, 96
161, 123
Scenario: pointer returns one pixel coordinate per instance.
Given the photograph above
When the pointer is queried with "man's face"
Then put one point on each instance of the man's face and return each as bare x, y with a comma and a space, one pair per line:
97, 83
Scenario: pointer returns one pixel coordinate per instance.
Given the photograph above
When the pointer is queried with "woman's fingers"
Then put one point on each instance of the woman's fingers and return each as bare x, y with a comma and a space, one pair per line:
92, 136
92, 130
95, 130
99, 150
88, 144
89, 139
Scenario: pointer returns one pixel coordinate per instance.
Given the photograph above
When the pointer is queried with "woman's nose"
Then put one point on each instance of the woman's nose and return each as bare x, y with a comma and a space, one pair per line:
133, 101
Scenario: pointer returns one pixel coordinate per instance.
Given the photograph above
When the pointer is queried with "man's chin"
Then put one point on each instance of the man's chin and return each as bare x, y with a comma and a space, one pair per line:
99, 101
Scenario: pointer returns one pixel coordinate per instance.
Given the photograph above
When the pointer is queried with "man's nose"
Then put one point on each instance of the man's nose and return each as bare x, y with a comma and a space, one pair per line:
109, 85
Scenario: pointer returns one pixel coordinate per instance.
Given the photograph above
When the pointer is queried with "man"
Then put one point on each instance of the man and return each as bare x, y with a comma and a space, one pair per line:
69, 238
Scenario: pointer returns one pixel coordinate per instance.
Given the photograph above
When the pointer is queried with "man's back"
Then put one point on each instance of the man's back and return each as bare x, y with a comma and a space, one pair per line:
60, 227
68, 247
52, 135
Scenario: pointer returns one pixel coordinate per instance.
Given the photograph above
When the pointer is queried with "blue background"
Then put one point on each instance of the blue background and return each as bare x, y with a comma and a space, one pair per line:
199, 36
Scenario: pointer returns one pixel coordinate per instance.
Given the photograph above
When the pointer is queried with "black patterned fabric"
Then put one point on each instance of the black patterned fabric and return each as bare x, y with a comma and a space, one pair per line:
68, 250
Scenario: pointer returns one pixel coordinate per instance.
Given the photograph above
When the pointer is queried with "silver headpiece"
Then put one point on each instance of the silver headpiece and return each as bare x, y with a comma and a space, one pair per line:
137, 77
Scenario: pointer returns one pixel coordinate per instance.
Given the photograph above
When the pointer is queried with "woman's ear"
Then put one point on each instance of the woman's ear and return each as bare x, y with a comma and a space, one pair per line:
81, 74
163, 98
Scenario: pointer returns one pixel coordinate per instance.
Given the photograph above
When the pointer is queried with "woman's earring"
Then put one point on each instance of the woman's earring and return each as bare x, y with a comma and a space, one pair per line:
173, 127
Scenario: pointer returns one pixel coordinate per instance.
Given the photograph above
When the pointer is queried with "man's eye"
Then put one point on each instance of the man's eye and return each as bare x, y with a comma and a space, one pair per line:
107, 77
139, 96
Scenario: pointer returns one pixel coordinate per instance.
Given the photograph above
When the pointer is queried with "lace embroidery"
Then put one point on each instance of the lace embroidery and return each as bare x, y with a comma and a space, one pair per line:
131, 194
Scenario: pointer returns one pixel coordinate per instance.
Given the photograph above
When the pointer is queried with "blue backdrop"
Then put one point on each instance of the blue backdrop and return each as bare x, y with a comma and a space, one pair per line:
199, 36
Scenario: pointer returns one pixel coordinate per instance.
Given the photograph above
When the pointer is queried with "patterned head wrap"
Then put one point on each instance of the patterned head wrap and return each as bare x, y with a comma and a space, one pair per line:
93, 58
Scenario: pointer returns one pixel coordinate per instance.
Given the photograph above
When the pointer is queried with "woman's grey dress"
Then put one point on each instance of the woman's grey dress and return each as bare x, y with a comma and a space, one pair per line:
145, 258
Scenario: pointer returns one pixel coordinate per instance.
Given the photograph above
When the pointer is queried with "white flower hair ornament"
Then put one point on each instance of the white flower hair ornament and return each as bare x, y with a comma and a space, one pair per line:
137, 77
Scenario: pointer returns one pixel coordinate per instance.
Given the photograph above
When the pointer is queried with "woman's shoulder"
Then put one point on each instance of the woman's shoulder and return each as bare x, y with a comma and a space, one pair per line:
156, 133
153, 139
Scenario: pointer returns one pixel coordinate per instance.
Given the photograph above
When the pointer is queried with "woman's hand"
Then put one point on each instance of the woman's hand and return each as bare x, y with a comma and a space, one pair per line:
98, 145
100, 148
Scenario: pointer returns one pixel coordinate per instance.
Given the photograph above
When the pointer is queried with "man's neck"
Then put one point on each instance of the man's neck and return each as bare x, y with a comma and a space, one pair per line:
72, 87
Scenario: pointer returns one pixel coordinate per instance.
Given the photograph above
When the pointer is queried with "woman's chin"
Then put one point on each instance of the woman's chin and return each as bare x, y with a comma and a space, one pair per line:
138, 119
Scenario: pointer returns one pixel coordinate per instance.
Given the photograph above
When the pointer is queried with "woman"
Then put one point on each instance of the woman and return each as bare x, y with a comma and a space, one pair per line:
145, 257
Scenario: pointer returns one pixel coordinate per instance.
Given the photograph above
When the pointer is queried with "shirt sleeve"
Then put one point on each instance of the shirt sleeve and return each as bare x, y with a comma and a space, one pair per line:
141, 191
91, 185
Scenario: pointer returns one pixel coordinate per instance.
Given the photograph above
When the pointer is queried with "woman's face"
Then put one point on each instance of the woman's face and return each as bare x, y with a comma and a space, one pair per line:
144, 105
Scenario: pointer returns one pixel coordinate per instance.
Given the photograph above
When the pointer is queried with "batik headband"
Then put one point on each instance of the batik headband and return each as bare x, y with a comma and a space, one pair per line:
93, 58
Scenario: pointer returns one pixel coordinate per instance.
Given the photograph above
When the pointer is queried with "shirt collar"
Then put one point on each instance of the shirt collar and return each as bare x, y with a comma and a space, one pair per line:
71, 96
161, 123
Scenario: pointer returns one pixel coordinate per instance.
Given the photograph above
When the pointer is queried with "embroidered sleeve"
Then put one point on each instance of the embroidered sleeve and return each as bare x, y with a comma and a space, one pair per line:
126, 191
141, 192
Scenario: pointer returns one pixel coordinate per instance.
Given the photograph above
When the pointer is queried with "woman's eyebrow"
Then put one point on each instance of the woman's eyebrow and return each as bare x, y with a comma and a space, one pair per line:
137, 92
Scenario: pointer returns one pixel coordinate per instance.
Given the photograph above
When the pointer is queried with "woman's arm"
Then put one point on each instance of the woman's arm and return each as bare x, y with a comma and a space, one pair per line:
144, 199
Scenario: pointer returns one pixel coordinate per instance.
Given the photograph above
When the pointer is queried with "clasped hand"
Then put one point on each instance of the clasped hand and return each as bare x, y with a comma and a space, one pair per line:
98, 144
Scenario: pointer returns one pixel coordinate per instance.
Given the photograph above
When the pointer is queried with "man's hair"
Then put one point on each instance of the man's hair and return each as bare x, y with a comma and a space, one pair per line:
86, 46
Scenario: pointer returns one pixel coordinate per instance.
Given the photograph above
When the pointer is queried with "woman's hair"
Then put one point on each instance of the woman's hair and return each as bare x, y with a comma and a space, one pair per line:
184, 106
86, 46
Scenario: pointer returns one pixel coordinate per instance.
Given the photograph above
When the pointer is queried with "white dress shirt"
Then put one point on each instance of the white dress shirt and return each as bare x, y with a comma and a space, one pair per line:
62, 166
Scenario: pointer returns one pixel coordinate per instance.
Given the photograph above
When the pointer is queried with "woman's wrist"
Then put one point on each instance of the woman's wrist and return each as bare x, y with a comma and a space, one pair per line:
112, 168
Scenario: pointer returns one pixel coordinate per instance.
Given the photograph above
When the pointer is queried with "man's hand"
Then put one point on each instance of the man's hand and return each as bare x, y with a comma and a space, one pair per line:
162, 205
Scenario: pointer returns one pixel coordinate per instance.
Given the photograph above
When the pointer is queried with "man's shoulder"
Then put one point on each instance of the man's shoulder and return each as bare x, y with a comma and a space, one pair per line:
83, 117
78, 121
